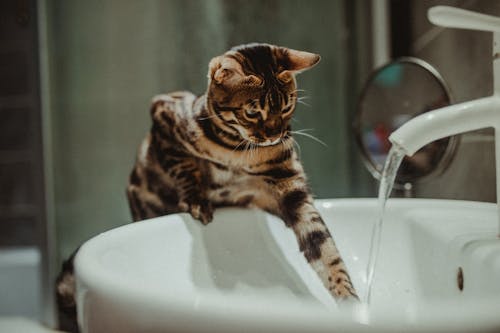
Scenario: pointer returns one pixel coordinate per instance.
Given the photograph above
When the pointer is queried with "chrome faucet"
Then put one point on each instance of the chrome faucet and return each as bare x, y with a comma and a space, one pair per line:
463, 117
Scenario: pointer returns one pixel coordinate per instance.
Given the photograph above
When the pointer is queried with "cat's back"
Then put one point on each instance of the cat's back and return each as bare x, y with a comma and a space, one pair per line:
177, 102
174, 119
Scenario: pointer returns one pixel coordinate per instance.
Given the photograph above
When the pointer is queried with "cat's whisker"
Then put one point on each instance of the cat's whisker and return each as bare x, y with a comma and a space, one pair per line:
303, 130
296, 93
294, 142
239, 144
287, 144
254, 148
251, 151
310, 137
302, 102
247, 150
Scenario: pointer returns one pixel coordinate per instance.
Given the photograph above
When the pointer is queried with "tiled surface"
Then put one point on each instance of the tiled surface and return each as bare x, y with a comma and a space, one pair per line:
17, 231
17, 183
15, 128
22, 325
20, 282
14, 79
21, 200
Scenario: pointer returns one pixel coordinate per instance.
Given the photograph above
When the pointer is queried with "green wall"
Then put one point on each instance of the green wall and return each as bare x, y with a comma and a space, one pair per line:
109, 57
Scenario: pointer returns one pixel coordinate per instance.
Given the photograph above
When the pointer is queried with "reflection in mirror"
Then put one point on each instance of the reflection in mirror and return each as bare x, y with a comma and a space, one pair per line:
394, 94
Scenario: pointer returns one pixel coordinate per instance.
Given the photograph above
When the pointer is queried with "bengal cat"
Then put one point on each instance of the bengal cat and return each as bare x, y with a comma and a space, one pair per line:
233, 146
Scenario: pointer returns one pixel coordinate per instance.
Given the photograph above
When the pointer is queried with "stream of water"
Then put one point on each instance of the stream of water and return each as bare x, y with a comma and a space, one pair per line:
394, 159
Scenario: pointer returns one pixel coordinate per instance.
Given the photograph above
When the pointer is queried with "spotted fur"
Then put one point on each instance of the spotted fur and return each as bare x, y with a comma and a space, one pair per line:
232, 146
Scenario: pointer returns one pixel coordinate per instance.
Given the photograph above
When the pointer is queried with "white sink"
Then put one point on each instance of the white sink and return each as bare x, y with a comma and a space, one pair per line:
244, 272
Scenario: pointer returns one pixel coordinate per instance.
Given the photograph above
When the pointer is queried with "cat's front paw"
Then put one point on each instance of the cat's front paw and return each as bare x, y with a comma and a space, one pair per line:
342, 289
202, 211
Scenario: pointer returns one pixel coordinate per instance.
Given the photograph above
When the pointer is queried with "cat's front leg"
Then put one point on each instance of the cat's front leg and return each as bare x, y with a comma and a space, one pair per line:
316, 242
187, 178
192, 190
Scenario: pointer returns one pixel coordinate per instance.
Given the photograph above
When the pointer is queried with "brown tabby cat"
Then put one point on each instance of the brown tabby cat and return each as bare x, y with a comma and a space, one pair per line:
233, 147
229, 147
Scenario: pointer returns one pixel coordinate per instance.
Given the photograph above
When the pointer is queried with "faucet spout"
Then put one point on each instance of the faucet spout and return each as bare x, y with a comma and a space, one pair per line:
447, 121
451, 120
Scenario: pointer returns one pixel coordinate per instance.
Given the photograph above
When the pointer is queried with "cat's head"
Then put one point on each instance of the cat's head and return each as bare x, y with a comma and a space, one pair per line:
252, 88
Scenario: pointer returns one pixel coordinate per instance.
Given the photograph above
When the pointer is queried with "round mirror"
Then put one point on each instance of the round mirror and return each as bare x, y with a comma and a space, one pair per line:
393, 95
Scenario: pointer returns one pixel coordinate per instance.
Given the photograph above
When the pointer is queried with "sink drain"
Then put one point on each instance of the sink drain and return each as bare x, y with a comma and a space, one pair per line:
460, 279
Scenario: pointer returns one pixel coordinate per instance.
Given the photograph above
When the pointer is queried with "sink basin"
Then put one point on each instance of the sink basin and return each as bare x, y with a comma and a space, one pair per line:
438, 271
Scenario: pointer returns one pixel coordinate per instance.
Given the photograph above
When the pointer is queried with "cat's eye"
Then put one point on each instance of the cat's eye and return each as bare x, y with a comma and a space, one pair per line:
253, 80
287, 110
251, 113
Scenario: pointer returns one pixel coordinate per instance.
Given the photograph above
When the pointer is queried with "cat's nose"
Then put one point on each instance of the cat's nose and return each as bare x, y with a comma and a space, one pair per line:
274, 101
272, 131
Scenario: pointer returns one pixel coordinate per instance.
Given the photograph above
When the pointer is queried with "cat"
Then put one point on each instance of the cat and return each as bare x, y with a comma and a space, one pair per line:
233, 146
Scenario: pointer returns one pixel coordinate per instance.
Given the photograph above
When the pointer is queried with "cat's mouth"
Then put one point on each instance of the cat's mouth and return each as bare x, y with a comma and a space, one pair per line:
262, 141
269, 142
265, 142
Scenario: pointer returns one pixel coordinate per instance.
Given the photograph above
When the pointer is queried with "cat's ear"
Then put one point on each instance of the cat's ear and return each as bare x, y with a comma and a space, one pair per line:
228, 71
299, 61
224, 70
213, 66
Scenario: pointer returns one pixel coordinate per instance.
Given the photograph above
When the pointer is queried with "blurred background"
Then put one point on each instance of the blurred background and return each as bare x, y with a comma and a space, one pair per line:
77, 77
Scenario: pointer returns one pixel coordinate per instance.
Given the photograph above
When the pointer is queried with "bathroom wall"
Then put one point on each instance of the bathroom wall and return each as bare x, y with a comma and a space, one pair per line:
106, 59
464, 58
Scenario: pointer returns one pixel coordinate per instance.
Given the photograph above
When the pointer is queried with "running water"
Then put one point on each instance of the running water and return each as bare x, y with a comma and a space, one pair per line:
392, 163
